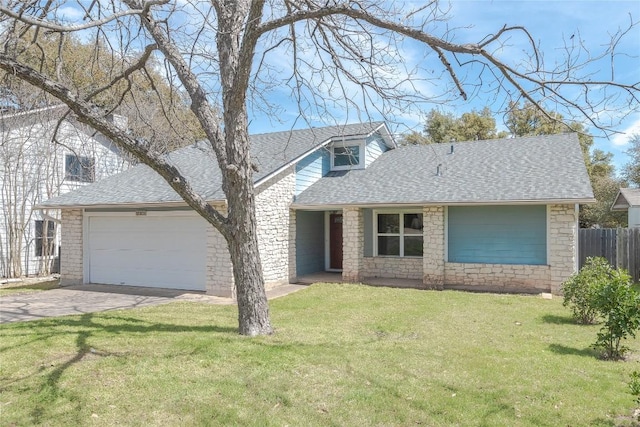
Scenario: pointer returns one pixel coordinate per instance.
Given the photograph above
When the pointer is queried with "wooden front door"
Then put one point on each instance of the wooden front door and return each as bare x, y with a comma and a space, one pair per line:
335, 241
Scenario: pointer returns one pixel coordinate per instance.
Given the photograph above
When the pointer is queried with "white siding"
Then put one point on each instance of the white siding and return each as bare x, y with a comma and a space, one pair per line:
33, 159
634, 216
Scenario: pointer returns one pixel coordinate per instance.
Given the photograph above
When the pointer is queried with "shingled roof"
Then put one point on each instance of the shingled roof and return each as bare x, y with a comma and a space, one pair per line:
270, 152
540, 169
52, 115
626, 198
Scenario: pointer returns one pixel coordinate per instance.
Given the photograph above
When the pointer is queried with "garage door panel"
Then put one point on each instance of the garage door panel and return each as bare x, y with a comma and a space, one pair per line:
162, 251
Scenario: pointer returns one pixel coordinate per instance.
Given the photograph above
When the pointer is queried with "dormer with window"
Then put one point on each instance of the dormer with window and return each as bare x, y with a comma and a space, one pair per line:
348, 155
342, 153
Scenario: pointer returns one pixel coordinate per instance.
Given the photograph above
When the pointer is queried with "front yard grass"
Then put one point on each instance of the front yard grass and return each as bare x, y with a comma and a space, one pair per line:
342, 355
28, 286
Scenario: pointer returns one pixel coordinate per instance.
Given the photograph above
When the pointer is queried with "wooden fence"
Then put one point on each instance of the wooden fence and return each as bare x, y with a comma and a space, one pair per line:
621, 247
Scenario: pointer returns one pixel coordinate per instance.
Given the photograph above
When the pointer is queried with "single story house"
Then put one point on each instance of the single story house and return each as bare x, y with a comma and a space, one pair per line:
496, 215
628, 199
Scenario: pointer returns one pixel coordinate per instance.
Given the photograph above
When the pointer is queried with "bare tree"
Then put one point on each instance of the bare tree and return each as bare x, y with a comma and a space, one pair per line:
27, 177
33, 146
229, 55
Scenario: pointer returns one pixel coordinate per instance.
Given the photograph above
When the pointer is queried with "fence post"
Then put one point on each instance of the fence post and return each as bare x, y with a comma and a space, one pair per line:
620, 243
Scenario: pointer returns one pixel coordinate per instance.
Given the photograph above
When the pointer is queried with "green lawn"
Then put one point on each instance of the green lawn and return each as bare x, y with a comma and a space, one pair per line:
343, 355
28, 287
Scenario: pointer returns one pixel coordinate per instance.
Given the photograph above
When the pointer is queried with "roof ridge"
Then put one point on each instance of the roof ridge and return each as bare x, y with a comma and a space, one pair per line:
311, 129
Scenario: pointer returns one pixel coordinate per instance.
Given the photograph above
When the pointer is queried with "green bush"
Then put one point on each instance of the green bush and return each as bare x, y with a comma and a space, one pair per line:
634, 385
619, 305
580, 289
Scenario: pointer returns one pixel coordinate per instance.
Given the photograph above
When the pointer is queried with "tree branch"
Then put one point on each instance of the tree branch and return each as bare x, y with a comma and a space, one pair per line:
43, 23
139, 64
200, 106
312, 11
88, 113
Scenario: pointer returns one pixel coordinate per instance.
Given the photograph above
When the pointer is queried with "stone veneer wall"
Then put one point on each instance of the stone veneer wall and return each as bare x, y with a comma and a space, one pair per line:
433, 247
272, 213
219, 278
436, 273
393, 267
352, 244
563, 240
497, 277
71, 271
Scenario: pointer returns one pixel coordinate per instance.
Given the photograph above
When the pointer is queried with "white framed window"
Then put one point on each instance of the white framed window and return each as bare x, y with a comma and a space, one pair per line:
348, 155
398, 234
79, 168
45, 238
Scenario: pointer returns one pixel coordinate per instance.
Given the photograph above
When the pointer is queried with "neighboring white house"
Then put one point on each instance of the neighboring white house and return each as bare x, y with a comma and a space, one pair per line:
628, 199
43, 153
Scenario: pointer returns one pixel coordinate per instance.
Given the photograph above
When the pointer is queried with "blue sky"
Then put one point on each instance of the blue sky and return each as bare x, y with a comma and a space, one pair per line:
551, 23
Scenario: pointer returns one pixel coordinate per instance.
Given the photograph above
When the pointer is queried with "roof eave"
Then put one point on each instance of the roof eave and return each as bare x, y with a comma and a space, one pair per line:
320, 206
141, 205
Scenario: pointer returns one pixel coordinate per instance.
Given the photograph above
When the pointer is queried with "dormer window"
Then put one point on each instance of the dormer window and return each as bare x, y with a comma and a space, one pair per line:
345, 156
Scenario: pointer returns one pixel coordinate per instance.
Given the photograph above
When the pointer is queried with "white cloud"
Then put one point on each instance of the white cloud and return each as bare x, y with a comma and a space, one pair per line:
70, 13
621, 139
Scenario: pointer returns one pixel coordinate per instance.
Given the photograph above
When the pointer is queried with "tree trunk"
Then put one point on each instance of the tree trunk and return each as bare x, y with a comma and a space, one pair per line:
253, 309
242, 237
236, 55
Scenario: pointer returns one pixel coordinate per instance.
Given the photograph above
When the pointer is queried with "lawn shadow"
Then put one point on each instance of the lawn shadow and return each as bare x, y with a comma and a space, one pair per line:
612, 423
558, 320
134, 325
564, 350
87, 326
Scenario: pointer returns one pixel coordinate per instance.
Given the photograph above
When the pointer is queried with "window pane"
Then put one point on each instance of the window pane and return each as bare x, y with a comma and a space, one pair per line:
413, 246
79, 168
413, 223
39, 224
346, 156
388, 245
39, 238
389, 223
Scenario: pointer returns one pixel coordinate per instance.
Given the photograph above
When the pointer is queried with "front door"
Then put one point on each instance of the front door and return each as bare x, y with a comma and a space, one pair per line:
335, 241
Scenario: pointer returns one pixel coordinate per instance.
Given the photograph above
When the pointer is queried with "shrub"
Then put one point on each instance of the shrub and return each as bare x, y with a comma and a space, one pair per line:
634, 385
619, 305
580, 289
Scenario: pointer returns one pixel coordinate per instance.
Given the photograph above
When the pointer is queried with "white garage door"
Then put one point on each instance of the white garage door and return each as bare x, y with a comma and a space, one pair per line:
165, 251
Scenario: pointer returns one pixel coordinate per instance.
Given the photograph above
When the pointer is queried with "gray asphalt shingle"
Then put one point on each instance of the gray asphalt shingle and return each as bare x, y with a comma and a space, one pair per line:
141, 185
626, 198
540, 168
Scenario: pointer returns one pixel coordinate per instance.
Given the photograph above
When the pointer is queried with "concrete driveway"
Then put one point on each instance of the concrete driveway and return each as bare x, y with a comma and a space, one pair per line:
94, 298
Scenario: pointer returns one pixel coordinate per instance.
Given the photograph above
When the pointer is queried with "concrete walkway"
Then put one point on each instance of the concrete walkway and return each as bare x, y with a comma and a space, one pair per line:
94, 298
